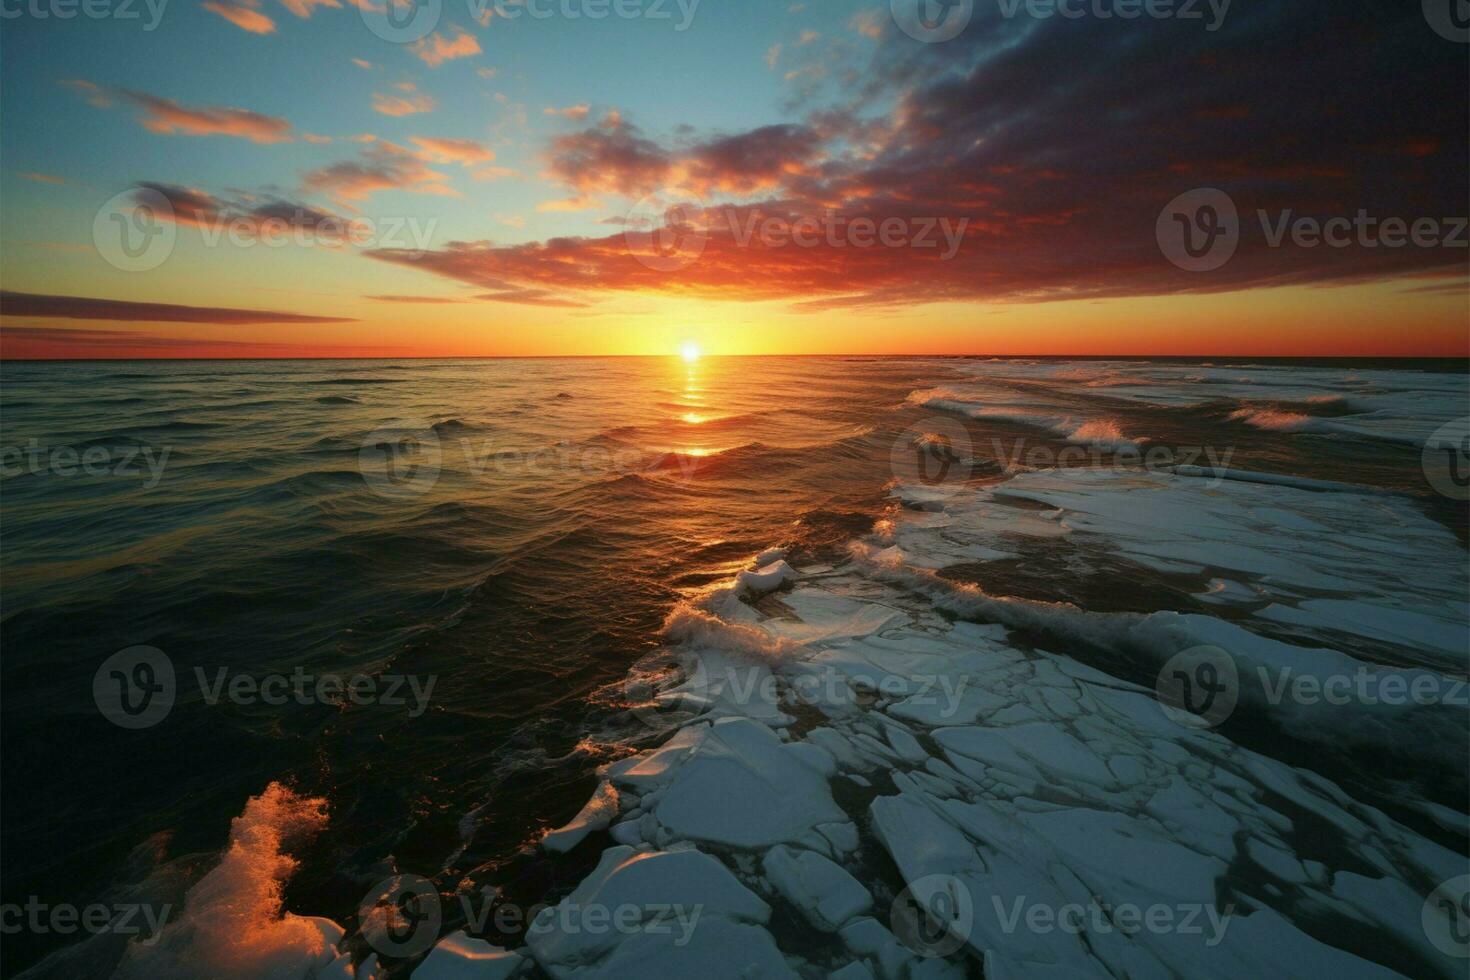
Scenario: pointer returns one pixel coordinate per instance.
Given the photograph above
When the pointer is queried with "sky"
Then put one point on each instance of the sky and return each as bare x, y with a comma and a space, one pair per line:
423, 178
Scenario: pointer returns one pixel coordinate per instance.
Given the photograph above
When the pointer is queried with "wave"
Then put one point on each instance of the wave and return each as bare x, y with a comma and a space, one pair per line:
233, 924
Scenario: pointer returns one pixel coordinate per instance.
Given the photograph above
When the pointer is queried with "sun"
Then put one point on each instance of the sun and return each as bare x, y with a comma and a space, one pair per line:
689, 351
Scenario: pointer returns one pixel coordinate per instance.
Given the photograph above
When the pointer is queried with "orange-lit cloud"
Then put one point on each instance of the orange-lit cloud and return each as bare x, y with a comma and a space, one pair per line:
436, 49
464, 152
243, 15
403, 105
382, 166
160, 115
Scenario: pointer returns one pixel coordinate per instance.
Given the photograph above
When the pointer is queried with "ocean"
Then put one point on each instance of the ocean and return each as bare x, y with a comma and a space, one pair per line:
444, 600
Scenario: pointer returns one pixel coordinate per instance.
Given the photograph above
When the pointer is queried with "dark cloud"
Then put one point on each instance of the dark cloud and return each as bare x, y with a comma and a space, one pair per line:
87, 308
1059, 142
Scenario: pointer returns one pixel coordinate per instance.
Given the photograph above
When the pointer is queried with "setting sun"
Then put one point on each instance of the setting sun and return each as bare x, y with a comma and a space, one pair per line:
689, 351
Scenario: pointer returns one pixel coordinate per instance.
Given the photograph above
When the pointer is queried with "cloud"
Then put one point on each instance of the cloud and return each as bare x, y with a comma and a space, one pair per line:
382, 166
571, 204
86, 308
302, 8
573, 112
464, 152
160, 115
436, 49
402, 105
773, 55
261, 218
869, 23
41, 178
243, 15
807, 37
1058, 162
364, 64
415, 299
609, 157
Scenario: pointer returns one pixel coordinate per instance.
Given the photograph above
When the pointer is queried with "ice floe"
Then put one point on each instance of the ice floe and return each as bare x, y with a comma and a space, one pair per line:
882, 737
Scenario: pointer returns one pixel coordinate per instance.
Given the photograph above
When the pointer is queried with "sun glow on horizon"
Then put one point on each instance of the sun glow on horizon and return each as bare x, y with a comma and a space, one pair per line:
689, 350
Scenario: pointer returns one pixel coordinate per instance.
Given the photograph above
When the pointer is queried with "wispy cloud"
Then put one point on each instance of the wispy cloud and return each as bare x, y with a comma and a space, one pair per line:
243, 15
408, 104
437, 48
465, 152
160, 115
382, 166
88, 308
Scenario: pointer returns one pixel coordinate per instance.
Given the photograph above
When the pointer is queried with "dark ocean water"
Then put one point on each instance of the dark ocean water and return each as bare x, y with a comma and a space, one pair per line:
513, 532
